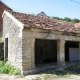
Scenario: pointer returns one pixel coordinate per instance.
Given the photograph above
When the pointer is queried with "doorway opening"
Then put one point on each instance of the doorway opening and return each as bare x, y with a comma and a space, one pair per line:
45, 51
6, 49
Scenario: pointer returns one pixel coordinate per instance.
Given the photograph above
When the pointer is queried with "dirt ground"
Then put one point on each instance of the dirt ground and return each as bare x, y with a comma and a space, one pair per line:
70, 72
35, 77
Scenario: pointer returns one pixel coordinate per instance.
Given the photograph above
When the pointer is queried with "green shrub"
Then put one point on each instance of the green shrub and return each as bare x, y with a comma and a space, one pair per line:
0, 39
7, 68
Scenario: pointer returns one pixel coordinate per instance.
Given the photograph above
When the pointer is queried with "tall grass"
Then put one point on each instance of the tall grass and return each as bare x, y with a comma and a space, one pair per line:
0, 39
7, 68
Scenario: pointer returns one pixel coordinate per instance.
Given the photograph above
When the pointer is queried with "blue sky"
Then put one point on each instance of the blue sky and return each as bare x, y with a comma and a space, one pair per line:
58, 8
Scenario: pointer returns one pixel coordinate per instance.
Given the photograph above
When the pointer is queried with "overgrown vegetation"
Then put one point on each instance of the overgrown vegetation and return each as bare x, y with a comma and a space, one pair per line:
75, 20
0, 39
7, 68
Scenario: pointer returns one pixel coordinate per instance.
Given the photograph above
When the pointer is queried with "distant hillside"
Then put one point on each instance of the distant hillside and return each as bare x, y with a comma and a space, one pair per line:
75, 20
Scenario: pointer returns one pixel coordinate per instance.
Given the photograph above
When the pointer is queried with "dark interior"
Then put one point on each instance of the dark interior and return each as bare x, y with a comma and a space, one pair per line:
45, 51
70, 44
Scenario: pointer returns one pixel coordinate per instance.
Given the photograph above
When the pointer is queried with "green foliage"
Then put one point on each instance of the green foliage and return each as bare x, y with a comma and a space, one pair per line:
57, 18
7, 68
0, 39
75, 20
67, 19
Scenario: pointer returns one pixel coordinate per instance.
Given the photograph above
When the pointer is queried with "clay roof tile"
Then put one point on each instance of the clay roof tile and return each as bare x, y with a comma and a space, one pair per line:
45, 23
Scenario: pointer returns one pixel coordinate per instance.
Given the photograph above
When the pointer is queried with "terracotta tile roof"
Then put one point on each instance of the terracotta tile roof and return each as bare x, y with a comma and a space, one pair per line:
77, 25
45, 23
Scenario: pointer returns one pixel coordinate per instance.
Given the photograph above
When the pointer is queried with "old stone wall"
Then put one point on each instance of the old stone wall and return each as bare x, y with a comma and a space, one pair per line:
28, 53
28, 48
21, 43
51, 35
12, 32
30, 36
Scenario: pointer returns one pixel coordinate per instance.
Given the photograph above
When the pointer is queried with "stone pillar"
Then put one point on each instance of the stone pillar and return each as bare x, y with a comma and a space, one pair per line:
28, 47
79, 51
33, 52
61, 52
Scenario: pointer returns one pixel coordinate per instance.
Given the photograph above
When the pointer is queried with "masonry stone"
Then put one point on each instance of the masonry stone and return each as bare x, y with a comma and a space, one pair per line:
61, 52
14, 41
21, 44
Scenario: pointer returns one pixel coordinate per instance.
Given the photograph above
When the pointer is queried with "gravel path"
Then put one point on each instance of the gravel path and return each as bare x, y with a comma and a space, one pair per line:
8, 77
33, 77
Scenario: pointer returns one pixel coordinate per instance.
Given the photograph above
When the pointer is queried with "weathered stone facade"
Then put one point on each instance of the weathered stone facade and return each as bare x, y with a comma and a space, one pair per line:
12, 31
21, 43
29, 44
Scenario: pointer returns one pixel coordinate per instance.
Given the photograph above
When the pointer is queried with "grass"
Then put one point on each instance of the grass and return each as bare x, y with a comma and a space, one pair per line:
0, 39
56, 74
67, 72
7, 68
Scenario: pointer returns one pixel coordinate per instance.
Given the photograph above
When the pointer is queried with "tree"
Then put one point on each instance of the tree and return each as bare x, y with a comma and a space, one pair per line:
57, 18
75, 20
67, 19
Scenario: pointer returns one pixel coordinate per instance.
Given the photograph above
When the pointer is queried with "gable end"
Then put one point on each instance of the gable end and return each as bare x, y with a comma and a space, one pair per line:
21, 25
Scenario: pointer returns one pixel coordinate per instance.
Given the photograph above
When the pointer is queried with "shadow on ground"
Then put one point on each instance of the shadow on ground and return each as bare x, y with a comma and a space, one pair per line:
67, 70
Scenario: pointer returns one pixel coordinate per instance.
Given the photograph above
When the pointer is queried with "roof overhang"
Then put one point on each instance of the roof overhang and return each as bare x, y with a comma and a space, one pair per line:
20, 24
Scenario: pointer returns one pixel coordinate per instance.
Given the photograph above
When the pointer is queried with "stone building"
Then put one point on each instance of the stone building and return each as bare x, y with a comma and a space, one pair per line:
30, 40
2, 8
